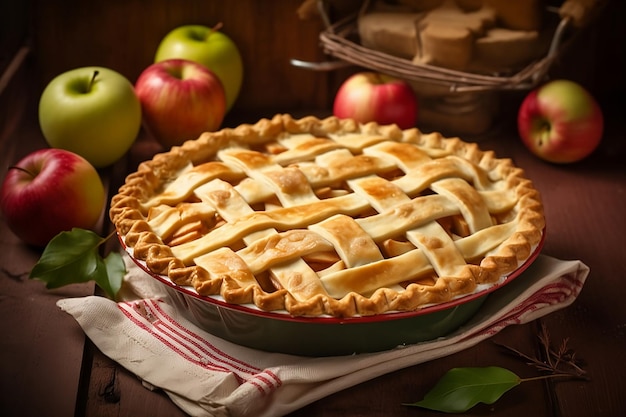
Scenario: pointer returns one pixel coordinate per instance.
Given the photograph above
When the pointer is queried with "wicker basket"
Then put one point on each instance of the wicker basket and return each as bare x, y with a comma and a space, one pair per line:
451, 101
340, 40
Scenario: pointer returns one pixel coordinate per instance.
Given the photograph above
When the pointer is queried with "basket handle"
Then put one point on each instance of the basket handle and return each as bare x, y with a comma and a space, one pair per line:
320, 66
580, 12
332, 65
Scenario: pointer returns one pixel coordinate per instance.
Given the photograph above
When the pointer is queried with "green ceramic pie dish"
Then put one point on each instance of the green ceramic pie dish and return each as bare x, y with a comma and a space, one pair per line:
322, 336
280, 332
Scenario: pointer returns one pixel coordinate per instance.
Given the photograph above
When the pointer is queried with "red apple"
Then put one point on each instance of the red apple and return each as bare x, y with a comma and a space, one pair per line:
373, 97
50, 191
180, 99
560, 122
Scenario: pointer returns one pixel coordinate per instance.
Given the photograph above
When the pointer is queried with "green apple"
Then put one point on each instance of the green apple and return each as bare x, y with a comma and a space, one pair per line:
209, 47
91, 111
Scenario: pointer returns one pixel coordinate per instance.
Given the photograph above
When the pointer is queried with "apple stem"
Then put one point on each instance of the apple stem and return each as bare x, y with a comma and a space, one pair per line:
22, 169
93, 79
217, 27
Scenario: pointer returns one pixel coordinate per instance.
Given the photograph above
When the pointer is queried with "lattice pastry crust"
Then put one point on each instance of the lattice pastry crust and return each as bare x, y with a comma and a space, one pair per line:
329, 216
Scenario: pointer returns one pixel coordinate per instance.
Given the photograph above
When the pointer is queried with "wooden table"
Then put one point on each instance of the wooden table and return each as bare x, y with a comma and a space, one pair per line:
49, 368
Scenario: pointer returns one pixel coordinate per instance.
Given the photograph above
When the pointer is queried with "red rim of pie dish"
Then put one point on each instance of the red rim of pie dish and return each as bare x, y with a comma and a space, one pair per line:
394, 315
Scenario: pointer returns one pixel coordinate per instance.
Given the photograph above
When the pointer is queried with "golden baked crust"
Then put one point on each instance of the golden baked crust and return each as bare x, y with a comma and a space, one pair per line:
328, 216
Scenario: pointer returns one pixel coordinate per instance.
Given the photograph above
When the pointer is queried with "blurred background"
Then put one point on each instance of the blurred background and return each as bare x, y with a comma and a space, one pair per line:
41, 39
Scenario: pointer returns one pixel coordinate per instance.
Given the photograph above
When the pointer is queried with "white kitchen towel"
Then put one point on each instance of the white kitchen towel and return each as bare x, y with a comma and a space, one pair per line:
208, 376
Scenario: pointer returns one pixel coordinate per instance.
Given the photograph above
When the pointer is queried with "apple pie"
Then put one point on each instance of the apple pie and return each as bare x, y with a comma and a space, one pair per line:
329, 217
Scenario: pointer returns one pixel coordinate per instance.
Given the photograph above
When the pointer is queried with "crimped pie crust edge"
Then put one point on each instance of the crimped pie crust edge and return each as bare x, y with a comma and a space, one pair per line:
126, 214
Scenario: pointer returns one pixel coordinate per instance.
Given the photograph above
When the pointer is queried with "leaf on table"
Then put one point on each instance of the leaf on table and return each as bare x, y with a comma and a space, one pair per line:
73, 257
462, 388
115, 269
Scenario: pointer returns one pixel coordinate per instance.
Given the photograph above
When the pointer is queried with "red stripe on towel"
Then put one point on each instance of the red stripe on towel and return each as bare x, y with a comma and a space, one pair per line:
148, 315
551, 294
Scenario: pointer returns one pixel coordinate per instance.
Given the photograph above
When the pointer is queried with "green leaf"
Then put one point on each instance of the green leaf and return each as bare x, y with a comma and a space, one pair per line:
115, 270
462, 388
73, 257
